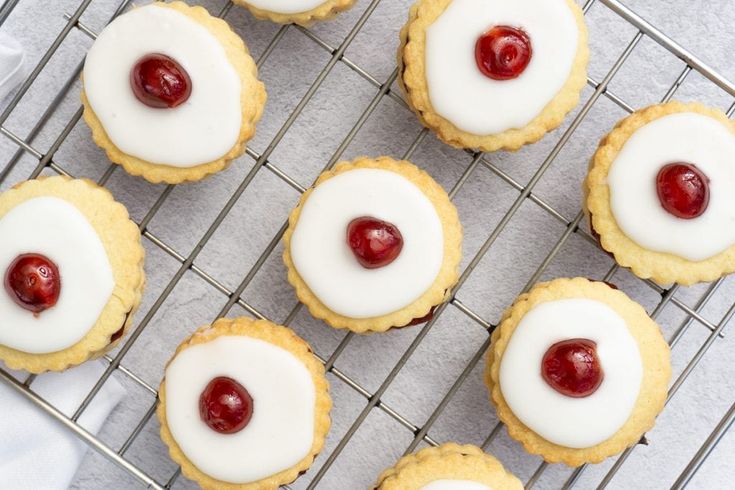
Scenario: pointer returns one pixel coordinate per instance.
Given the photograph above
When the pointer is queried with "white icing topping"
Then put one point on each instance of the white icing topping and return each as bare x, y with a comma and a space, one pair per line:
571, 422
202, 129
281, 431
56, 229
326, 263
681, 137
286, 6
474, 103
455, 485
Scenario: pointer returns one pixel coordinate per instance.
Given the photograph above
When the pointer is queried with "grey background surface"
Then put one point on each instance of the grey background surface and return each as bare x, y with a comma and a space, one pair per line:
703, 26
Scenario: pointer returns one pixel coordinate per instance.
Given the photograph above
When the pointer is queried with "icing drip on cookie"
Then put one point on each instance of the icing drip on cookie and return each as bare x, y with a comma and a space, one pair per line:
286, 6
635, 202
325, 261
571, 422
455, 485
279, 433
477, 104
203, 128
57, 230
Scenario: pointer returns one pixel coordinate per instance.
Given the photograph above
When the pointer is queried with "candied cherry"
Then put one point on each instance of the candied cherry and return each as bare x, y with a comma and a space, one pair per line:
375, 243
225, 405
503, 52
33, 282
159, 81
572, 367
683, 190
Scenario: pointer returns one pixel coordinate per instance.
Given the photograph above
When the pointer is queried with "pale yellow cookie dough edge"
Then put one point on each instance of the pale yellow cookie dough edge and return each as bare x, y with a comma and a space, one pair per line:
448, 461
655, 356
325, 11
412, 79
437, 293
663, 268
252, 101
121, 240
279, 336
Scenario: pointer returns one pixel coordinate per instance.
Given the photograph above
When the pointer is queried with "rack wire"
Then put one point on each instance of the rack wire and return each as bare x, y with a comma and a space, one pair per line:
382, 88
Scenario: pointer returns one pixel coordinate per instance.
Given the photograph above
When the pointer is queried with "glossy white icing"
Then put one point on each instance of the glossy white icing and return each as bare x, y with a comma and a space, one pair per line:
281, 431
202, 129
681, 137
455, 485
56, 229
326, 263
571, 422
286, 6
474, 103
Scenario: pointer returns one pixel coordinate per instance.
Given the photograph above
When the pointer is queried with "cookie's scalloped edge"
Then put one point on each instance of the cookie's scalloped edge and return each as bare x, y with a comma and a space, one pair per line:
326, 11
449, 460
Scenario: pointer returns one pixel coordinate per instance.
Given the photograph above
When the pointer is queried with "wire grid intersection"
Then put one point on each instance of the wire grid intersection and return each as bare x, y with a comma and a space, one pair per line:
261, 160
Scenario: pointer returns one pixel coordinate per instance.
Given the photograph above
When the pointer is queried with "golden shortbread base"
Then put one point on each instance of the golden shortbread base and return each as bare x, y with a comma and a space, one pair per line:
445, 279
121, 240
655, 357
447, 462
411, 62
281, 337
663, 268
252, 101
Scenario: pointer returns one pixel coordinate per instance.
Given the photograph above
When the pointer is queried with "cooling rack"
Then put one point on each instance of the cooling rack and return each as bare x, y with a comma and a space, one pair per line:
419, 434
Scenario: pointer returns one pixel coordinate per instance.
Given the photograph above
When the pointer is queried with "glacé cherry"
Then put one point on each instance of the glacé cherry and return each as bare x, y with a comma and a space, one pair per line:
225, 405
375, 243
572, 367
33, 282
160, 82
683, 190
503, 52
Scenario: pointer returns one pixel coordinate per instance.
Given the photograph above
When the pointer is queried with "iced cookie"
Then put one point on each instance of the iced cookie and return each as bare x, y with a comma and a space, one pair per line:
375, 244
658, 193
171, 93
72, 268
577, 371
244, 405
493, 74
448, 467
303, 12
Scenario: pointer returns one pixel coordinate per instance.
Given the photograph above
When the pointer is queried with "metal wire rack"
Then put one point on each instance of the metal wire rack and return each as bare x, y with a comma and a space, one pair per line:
382, 88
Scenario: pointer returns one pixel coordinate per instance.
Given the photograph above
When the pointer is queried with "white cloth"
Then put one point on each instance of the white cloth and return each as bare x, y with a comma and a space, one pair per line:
38, 453
11, 64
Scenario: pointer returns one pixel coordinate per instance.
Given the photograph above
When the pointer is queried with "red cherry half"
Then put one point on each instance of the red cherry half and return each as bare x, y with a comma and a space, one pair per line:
160, 82
683, 190
33, 282
375, 243
225, 405
503, 52
572, 367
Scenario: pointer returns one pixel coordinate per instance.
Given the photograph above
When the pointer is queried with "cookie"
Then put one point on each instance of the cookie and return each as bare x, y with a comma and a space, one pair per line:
244, 405
493, 74
658, 197
375, 244
302, 12
448, 467
72, 268
171, 93
577, 371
